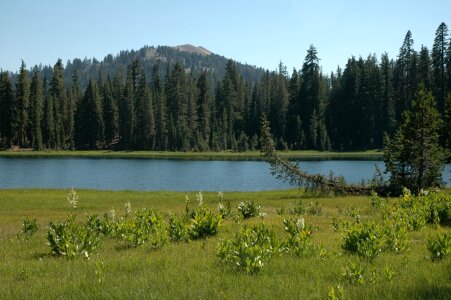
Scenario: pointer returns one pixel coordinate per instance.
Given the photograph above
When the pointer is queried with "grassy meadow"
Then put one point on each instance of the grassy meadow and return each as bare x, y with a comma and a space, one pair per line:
191, 270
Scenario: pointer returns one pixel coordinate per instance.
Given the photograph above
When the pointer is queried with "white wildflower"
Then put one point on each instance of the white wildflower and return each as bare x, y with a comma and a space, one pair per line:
200, 198
112, 213
300, 224
127, 208
72, 197
220, 196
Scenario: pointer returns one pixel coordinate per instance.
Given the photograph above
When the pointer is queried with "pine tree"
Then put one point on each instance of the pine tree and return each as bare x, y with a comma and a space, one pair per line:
438, 65
204, 106
58, 97
388, 101
23, 99
413, 157
145, 121
161, 130
89, 133
9, 110
36, 103
74, 98
48, 128
110, 113
425, 68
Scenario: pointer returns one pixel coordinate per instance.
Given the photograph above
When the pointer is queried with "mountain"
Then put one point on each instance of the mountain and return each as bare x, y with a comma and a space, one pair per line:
194, 59
193, 49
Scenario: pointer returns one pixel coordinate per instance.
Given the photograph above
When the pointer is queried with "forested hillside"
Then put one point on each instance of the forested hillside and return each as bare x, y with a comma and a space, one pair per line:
188, 99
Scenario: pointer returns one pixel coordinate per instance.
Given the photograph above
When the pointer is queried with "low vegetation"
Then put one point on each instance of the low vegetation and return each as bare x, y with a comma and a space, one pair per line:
156, 245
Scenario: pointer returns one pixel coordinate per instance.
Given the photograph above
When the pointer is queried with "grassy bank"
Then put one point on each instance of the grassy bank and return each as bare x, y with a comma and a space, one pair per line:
192, 270
224, 155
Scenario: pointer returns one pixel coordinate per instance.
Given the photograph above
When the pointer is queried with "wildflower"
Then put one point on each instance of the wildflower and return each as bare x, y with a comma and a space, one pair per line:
72, 198
127, 208
300, 224
112, 213
200, 198
220, 196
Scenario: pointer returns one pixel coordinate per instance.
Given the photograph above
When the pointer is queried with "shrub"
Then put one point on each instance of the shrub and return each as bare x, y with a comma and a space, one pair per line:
204, 223
70, 239
225, 210
146, 227
102, 225
364, 239
395, 234
178, 231
298, 208
251, 248
248, 209
440, 247
298, 241
29, 227
354, 273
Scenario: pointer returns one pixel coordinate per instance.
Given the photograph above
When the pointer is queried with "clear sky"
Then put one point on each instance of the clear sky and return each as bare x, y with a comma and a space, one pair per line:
258, 32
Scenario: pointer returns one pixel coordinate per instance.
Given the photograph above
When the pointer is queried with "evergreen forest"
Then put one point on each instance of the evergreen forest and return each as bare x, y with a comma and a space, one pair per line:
164, 98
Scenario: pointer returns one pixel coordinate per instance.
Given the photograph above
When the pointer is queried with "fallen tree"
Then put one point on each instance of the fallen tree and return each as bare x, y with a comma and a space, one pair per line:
291, 172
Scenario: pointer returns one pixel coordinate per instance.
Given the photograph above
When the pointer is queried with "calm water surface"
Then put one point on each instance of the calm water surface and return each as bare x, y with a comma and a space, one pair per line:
177, 175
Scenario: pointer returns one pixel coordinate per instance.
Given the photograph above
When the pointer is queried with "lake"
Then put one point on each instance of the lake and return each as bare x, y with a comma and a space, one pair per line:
165, 174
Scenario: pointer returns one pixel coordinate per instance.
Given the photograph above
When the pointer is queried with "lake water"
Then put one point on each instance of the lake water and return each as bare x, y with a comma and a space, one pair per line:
158, 174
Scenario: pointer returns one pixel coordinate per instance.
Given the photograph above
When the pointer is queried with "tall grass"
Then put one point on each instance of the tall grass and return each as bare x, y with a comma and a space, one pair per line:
192, 270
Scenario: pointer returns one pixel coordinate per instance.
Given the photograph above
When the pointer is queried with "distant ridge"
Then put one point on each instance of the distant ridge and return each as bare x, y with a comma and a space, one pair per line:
193, 49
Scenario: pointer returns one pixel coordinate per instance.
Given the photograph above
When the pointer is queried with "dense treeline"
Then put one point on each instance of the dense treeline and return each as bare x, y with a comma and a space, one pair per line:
174, 106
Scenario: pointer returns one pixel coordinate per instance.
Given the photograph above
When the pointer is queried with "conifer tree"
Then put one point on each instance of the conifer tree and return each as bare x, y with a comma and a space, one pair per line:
438, 65
9, 110
58, 97
89, 132
48, 127
145, 121
23, 99
36, 103
161, 128
110, 113
204, 106
413, 156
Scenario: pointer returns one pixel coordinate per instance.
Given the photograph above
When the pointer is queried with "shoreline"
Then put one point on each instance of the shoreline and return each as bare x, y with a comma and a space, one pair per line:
223, 155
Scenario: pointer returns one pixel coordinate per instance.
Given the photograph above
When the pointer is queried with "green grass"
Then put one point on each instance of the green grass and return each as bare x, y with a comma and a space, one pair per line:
191, 270
226, 155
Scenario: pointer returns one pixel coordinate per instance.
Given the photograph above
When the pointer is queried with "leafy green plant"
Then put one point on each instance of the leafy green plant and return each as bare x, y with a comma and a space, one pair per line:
336, 294
69, 239
29, 227
395, 234
204, 223
248, 209
147, 226
440, 246
299, 239
297, 209
178, 231
314, 208
225, 210
102, 225
251, 248
353, 273
364, 239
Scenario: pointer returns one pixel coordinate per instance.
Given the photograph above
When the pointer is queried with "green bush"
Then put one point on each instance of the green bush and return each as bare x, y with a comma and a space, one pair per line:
251, 248
248, 209
147, 226
69, 239
440, 246
364, 239
178, 231
102, 225
204, 223
29, 227
298, 241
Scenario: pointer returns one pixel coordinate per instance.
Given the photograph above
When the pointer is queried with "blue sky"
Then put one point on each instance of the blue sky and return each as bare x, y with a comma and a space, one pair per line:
260, 32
